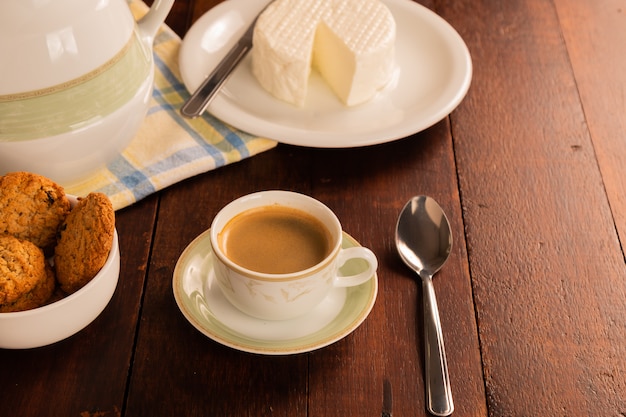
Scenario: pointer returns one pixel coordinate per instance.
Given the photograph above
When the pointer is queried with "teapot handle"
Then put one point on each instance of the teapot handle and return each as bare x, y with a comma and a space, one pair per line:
149, 24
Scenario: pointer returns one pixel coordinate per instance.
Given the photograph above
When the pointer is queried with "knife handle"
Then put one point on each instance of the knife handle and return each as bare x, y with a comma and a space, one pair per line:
200, 99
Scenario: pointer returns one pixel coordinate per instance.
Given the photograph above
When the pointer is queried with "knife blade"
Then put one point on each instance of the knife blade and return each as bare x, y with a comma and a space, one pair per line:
195, 105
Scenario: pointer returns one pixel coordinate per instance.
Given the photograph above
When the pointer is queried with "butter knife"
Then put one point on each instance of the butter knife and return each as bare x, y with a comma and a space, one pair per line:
200, 99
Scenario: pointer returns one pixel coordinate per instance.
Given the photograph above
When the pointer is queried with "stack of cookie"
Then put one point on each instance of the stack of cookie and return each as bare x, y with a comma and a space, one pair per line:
47, 248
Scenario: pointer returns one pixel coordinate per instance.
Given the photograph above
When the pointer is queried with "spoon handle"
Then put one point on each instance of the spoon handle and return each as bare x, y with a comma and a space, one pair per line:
438, 392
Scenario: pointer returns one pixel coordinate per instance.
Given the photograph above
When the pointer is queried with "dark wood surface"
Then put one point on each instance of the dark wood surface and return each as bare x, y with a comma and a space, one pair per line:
530, 170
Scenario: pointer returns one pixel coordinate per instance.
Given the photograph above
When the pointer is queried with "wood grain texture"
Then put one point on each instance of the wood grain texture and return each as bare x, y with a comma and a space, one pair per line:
546, 263
595, 32
353, 187
529, 169
196, 376
345, 377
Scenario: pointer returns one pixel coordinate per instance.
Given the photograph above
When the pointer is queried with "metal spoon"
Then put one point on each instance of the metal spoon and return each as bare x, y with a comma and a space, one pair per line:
424, 241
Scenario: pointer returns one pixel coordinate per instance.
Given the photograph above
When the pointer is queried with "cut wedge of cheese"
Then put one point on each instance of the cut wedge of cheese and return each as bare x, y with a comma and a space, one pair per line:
351, 43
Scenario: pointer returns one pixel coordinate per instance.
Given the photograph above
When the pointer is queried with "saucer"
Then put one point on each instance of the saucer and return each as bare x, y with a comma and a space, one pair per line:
202, 303
433, 74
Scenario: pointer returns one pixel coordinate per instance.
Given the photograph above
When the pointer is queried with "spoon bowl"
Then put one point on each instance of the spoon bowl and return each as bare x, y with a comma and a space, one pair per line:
424, 242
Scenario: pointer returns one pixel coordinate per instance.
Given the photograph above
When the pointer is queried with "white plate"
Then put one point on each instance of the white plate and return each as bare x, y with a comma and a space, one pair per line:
205, 307
433, 74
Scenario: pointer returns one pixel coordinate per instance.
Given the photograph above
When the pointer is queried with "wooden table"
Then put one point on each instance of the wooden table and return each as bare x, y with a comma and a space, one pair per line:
529, 168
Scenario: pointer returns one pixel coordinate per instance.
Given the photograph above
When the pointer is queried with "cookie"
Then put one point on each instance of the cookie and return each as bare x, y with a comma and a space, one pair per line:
39, 296
84, 241
26, 279
32, 207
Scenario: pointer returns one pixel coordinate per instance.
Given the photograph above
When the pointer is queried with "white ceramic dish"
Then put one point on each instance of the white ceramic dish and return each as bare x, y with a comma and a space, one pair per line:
433, 74
205, 307
79, 91
57, 321
72, 157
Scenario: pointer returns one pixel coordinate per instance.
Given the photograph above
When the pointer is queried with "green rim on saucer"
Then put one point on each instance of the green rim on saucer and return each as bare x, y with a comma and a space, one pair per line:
201, 302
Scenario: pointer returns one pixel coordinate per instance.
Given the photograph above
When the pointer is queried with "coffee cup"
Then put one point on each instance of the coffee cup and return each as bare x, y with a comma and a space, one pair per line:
278, 254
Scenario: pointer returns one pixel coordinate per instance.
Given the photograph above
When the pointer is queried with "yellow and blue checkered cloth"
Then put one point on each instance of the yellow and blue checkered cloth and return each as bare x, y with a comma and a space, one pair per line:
169, 148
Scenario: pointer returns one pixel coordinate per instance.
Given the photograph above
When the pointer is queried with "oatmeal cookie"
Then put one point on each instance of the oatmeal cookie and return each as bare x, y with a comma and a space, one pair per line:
32, 207
39, 296
84, 243
26, 279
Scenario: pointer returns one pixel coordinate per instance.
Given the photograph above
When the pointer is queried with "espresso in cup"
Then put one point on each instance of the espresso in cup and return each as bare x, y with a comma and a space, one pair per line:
275, 239
278, 254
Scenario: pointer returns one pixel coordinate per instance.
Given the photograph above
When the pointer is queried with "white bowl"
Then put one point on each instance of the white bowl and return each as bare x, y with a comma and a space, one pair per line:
66, 317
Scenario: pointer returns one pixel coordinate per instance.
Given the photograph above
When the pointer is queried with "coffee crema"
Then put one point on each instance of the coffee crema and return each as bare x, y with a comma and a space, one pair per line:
275, 240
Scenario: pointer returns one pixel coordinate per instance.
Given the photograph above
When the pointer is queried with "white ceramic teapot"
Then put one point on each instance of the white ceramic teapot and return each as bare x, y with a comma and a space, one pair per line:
76, 77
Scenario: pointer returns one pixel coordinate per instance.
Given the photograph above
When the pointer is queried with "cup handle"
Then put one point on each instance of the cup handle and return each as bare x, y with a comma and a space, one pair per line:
149, 24
355, 253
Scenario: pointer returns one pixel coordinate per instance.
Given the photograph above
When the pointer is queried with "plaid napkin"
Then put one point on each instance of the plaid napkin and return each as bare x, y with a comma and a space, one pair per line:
169, 148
